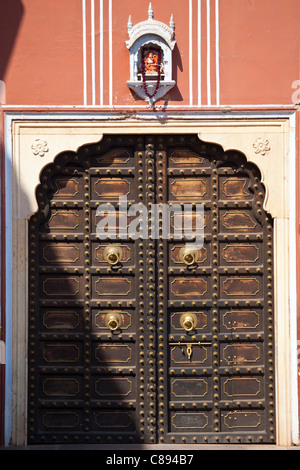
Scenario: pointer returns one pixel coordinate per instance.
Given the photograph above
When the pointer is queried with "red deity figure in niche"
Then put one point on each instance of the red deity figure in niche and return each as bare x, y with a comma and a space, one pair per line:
151, 63
151, 66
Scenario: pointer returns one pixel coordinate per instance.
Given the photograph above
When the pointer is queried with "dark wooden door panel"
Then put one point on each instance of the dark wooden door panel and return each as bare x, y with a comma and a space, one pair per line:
84, 306
217, 310
143, 337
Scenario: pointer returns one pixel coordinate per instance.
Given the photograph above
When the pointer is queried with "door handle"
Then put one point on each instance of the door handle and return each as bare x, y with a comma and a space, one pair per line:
188, 321
188, 256
113, 321
112, 254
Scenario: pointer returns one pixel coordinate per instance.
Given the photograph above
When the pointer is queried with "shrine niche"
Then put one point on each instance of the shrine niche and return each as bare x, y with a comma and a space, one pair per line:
151, 44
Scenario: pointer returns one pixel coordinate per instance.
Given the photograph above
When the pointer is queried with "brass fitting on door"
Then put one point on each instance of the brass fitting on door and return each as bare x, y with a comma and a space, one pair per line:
188, 256
113, 321
188, 321
112, 254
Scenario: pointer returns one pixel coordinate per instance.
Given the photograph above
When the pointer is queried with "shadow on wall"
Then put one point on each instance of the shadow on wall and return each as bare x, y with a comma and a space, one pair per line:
11, 13
175, 93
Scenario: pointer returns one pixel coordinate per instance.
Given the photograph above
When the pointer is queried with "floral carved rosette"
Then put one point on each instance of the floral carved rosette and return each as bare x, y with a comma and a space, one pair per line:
261, 146
39, 147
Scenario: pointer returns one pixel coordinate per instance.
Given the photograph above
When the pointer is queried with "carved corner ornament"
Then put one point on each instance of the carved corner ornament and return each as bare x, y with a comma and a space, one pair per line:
39, 147
261, 146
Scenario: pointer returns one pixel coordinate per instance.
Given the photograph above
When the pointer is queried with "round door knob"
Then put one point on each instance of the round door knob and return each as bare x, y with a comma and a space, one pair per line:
188, 321
113, 254
113, 321
113, 258
188, 256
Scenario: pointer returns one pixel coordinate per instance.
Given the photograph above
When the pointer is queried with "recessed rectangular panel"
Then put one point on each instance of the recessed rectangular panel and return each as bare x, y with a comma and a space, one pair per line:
241, 319
190, 421
67, 188
181, 158
64, 220
233, 254
234, 188
113, 287
61, 387
114, 421
251, 388
238, 221
63, 420
180, 355
61, 319
60, 286
241, 354
240, 286
118, 158
187, 222
188, 287
61, 253
61, 353
242, 420
110, 221
111, 189
113, 388
190, 389
114, 354
186, 188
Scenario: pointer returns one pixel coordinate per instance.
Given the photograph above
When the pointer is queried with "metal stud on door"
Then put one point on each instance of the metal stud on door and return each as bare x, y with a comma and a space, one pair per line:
136, 333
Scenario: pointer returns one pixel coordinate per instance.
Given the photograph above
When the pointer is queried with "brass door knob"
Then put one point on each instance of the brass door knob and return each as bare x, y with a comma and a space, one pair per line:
188, 256
188, 321
113, 321
112, 254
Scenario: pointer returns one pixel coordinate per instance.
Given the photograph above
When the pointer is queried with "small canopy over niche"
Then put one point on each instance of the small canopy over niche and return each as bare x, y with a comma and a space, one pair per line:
151, 44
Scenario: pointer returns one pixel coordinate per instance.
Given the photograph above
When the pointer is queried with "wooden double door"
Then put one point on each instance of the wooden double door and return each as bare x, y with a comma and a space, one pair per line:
139, 335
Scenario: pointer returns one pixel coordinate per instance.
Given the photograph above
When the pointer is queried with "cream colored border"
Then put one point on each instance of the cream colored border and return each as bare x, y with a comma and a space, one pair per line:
238, 134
